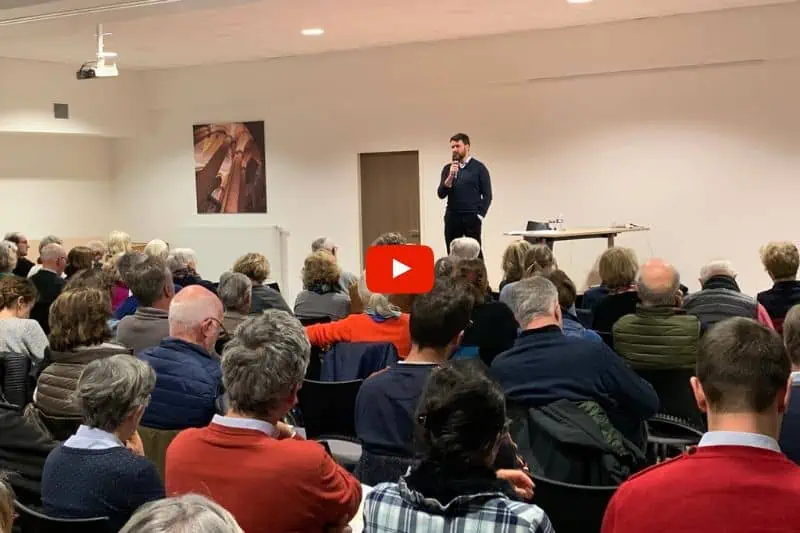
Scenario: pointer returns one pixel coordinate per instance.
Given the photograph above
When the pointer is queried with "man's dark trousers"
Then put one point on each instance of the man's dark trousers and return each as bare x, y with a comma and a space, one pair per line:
462, 225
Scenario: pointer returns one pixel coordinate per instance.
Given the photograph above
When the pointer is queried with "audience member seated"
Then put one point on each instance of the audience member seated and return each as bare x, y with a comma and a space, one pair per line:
100, 250
256, 267
493, 328
151, 284
660, 334
101, 470
24, 264
381, 321
119, 268
287, 484
721, 298
8, 258
618, 267
24, 446
567, 294
513, 262
19, 333
402, 301
595, 288
182, 263
347, 279
444, 267
465, 248
545, 365
119, 245
736, 479
538, 260
79, 335
188, 377
234, 291
79, 258
7, 512
321, 297
48, 282
461, 423
781, 261
182, 514
157, 248
388, 399
790, 430
47, 240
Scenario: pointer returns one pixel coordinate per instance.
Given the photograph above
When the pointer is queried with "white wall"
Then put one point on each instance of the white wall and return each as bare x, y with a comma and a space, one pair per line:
568, 121
58, 184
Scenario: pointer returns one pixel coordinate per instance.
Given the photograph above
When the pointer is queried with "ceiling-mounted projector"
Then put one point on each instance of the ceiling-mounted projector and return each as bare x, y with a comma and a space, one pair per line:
105, 64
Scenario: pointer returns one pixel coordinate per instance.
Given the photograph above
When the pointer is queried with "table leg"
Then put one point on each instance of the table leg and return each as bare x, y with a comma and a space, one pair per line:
611, 240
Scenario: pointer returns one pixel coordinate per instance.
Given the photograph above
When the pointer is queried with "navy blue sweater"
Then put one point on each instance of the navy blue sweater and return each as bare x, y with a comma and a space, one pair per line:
545, 365
471, 192
114, 482
385, 408
790, 430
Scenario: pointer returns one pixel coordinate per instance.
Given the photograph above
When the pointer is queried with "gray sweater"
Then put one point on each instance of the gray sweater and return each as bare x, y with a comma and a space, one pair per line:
143, 329
310, 304
23, 336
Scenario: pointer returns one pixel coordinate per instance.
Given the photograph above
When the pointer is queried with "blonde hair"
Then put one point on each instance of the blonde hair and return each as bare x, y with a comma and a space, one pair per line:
6, 505
618, 267
513, 259
118, 242
539, 259
374, 302
253, 265
157, 248
320, 267
781, 260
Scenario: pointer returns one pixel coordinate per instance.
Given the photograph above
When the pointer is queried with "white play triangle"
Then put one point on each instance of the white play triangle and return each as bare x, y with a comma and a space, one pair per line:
398, 268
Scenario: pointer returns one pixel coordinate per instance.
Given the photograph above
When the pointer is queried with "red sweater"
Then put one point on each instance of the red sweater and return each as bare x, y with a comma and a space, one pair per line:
363, 328
268, 485
714, 489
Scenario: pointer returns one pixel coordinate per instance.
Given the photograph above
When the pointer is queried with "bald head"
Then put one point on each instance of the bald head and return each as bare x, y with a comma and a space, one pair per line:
195, 315
658, 283
54, 257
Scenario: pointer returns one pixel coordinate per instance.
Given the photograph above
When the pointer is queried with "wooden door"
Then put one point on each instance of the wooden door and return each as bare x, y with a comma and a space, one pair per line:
389, 195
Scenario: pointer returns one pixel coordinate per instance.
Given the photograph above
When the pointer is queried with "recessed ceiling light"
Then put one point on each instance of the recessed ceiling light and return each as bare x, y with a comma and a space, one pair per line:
312, 32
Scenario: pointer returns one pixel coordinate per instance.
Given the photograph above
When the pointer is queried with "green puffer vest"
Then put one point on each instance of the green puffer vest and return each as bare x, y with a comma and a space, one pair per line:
658, 338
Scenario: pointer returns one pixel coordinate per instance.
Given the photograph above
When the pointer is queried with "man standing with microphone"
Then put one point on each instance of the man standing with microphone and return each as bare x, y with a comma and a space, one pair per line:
466, 185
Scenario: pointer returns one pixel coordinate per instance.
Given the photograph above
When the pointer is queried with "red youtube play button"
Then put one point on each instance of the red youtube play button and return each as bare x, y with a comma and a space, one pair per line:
404, 269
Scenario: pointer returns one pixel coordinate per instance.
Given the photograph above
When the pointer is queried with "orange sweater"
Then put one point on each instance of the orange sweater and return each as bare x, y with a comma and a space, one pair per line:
363, 328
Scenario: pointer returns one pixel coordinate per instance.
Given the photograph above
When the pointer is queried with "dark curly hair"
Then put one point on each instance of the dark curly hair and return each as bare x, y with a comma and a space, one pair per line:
79, 317
13, 288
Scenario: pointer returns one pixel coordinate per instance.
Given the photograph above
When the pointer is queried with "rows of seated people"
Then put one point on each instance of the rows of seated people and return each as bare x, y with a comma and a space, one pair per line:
153, 384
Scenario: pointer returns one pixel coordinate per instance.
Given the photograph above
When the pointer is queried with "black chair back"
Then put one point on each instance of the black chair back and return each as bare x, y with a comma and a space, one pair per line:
15, 378
328, 408
572, 508
373, 468
59, 427
31, 521
675, 394
317, 320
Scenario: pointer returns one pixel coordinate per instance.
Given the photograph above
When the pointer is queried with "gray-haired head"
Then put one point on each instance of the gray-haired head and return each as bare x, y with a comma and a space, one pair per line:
532, 298
264, 363
48, 240
323, 243
234, 291
150, 280
109, 389
190, 513
8, 256
719, 267
375, 302
444, 267
658, 283
465, 248
157, 248
182, 260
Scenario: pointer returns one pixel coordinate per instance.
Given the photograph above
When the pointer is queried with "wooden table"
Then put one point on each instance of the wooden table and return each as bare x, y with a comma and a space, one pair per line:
553, 235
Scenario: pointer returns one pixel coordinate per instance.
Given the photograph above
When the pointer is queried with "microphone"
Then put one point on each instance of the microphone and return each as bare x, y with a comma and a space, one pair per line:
454, 172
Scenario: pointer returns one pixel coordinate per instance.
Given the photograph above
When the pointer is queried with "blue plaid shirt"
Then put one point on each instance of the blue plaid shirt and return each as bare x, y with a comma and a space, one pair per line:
392, 507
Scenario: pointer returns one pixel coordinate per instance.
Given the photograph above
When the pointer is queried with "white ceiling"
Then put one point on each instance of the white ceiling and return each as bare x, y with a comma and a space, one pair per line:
192, 32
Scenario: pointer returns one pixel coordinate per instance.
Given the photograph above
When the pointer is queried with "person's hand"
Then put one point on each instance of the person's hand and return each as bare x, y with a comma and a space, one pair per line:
522, 482
135, 444
285, 431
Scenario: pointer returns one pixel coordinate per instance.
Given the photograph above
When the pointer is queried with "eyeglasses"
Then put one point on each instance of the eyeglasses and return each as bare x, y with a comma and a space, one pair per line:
221, 325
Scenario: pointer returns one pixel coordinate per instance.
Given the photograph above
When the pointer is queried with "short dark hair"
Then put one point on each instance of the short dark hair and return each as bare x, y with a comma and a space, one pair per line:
472, 275
463, 137
460, 416
438, 316
567, 293
148, 279
742, 366
791, 334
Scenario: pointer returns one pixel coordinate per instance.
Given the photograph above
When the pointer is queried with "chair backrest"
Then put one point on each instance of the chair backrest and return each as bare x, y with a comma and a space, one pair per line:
572, 508
675, 394
32, 521
317, 320
328, 408
59, 427
15, 380
347, 361
373, 468
155, 443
